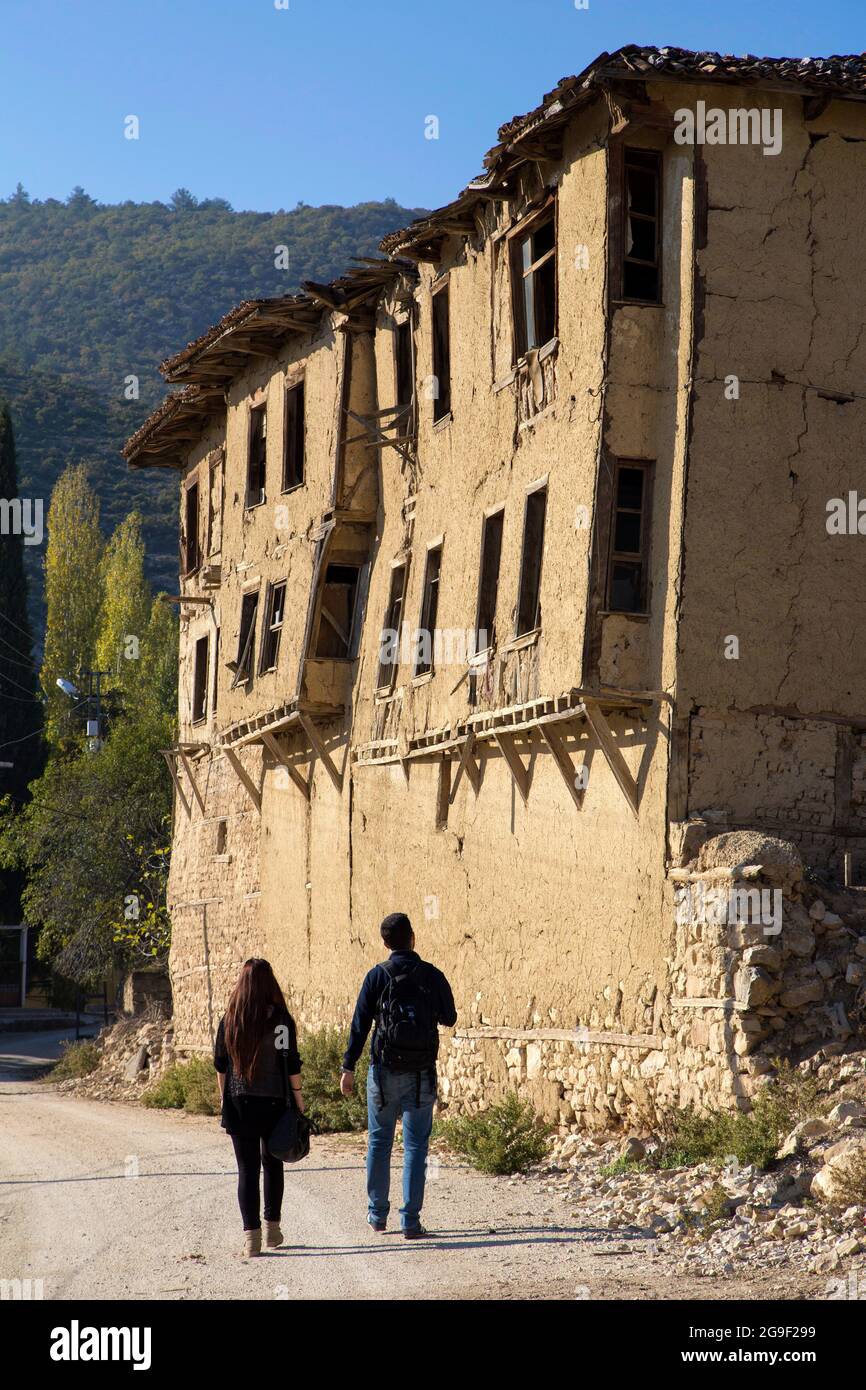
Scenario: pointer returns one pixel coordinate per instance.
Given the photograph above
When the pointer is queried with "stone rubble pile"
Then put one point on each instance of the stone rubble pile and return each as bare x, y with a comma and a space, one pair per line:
709, 1220
133, 1053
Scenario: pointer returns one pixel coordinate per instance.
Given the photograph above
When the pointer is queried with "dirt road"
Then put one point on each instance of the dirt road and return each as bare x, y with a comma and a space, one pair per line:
113, 1201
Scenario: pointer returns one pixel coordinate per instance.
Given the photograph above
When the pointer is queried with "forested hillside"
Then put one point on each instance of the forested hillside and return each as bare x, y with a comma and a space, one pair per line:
91, 295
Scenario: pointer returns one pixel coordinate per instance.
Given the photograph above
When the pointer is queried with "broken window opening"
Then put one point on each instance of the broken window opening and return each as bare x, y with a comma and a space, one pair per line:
405, 372
529, 590
191, 552
214, 506
429, 609
200, 675
243, 667
441, 354
221, 837
216, 670
293, 439
627, 588
273, 627
337, 612
256, 462
389, 638
533, 270
488, 583
641, 268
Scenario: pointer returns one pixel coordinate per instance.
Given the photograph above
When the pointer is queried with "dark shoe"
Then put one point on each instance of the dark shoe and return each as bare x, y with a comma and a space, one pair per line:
415, 1232
378, 1226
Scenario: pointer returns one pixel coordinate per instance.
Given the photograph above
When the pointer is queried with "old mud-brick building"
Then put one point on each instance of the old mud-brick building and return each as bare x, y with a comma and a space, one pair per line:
585, 427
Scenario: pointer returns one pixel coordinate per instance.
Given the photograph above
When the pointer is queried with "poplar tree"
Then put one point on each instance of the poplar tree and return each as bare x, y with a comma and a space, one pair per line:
20, 707
126, 604
73, 592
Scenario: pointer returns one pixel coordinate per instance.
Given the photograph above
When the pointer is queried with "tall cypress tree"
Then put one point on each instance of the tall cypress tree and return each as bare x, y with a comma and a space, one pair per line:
20, 708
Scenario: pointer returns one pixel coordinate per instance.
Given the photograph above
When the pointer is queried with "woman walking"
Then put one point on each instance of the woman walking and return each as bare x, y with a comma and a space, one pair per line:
256, 1056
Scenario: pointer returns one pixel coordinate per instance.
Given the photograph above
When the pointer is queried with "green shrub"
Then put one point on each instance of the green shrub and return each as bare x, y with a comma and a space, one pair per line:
507, 1138
76, 1059
754, 1138
190, 1086
322, 1055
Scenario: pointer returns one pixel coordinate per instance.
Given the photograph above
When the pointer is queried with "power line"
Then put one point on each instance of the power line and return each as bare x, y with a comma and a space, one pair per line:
23, 631
27, 662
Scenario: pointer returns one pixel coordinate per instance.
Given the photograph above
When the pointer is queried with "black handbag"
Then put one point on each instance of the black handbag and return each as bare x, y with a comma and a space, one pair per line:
289, 1140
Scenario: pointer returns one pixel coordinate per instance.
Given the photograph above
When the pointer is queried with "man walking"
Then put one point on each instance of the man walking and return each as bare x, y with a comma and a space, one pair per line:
407, 998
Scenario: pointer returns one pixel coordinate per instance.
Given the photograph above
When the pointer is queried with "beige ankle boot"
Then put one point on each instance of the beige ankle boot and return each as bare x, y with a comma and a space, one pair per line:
273, 1234
252, 1244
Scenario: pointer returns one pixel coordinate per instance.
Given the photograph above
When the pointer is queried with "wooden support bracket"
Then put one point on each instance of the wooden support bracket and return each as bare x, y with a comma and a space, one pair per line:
615, 761
169, 755
191, 775
560, 755
321, 751
520, 774
273, 746
468, 765
251, 788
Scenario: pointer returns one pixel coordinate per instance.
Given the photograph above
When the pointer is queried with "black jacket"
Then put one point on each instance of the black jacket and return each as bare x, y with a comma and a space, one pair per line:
375, 983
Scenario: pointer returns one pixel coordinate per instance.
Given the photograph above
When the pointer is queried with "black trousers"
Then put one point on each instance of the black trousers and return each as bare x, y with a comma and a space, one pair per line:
252, 1156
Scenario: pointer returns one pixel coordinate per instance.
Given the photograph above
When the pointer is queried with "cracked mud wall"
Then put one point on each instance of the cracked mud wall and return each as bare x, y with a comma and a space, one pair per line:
783, 311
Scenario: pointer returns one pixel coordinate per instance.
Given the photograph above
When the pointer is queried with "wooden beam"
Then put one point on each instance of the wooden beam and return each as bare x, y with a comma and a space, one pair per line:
321, 751
191, 776
615, 761
252, 790
169, 756
563, 762
302, 783
506, 746
468, 765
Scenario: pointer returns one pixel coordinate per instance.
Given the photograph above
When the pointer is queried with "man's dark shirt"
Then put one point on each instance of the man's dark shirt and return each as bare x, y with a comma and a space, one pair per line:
372, 990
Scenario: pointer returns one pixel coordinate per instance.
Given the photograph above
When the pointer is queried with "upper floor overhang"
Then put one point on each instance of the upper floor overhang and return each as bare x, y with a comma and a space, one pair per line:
626, 75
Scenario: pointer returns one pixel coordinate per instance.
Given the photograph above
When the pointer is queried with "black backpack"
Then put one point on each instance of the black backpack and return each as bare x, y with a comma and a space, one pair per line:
406, 1029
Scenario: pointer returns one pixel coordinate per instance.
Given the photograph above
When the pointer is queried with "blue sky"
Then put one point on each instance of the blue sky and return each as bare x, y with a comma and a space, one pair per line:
326, 101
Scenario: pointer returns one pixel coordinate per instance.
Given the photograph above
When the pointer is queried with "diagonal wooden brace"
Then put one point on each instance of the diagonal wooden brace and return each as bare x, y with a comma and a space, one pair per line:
169, 755
273, 746
518, 771
560, 755
321, 751
468, 765
615, 761
251, 788
191, 775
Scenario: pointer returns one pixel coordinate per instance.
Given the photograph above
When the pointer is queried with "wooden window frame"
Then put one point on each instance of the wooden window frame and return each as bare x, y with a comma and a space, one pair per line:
528, 227
291, 388
488, 517
191, 539
217, 466
418, 674
243, 670
441, 292
619, 215
216, 671
351, 636
541, 486
406, 423
257, 408
200, 680
385, 687
271, 631
641, 556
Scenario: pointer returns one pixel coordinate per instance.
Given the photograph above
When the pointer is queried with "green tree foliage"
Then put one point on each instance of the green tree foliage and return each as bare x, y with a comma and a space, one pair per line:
92, 295
20, 707
126, 606
73, 591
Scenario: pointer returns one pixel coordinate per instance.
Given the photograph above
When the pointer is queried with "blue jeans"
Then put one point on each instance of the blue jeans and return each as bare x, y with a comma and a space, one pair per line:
390, 1094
